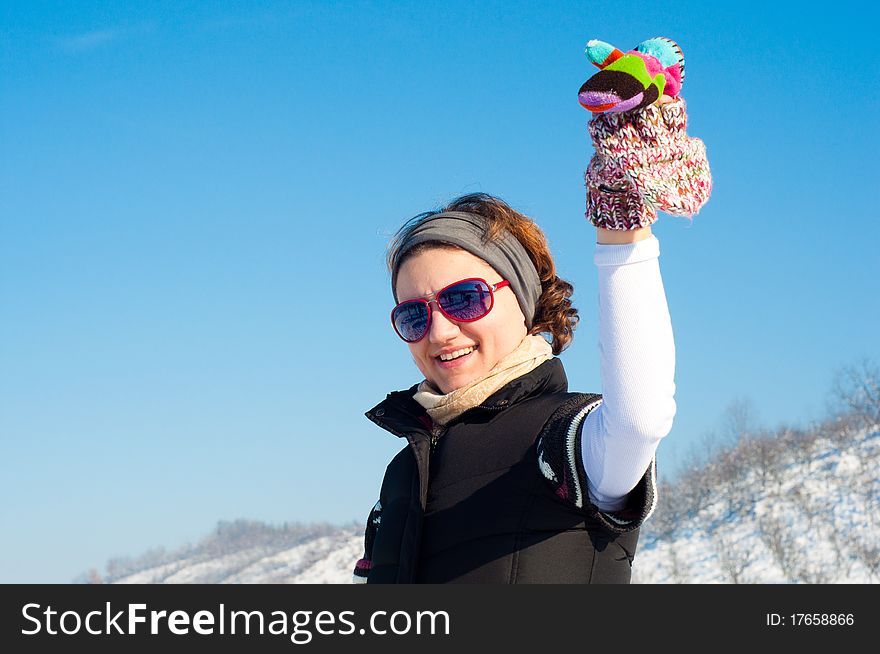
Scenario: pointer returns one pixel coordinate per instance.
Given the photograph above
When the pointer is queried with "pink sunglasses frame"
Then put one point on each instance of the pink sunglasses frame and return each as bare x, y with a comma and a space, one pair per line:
432, 297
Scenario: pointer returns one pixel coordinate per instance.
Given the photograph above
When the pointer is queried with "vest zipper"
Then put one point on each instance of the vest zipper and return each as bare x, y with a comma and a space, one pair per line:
435, 438
491, 408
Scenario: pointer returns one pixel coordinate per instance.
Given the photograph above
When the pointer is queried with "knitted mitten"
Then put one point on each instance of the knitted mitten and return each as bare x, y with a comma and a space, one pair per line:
645, 162
665, 167
612, 200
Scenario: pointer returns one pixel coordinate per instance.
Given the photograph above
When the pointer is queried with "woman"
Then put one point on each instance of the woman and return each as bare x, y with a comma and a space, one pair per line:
506, 477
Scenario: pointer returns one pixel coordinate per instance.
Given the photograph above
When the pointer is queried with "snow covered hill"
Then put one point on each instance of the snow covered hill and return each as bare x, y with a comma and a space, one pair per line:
794, 507
251, 553
813, 516
324, 560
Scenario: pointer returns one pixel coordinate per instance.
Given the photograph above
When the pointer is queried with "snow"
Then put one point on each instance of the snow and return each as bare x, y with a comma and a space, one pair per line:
819, 524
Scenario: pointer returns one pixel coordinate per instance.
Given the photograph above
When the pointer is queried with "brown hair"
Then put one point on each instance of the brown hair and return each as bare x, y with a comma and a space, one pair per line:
554, 313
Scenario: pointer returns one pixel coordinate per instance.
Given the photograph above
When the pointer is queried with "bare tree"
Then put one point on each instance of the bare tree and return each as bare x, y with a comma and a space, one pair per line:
763, 456
856, 391
677, 568
733, 557
778, 537
669, 514
118, 566
739, 420
866, 553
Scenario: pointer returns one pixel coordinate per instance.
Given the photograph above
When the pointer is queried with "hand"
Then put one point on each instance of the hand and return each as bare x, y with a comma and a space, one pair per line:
644, 160
647, 156
613, 203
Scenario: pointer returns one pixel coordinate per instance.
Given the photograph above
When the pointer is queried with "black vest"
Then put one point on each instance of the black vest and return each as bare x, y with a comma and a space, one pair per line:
475, 508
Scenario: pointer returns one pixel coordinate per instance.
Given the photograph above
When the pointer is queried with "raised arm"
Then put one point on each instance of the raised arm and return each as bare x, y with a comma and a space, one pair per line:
637, 369
644, 162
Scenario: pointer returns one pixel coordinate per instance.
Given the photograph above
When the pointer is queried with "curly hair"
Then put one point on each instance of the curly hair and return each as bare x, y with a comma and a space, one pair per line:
554, 313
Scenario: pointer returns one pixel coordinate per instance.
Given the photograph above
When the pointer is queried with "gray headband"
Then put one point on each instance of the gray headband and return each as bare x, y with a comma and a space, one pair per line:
507, 255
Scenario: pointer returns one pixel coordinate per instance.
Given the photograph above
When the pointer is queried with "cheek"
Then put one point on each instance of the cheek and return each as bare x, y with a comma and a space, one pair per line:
417, 350
420, 358
510, 317
499, 328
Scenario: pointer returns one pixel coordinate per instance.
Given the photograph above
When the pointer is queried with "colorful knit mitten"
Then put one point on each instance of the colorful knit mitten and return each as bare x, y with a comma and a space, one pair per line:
645, 162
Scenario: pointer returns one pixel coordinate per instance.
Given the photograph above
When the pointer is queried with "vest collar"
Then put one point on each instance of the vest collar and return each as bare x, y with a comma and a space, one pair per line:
401, 415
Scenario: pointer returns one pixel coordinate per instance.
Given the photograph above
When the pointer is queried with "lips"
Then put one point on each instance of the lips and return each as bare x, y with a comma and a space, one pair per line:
454, 363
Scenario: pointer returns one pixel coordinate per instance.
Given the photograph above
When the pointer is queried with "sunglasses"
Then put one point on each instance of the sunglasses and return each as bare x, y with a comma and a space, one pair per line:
464, 301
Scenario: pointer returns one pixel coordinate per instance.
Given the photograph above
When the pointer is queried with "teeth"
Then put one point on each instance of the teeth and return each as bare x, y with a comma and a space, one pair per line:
456, 354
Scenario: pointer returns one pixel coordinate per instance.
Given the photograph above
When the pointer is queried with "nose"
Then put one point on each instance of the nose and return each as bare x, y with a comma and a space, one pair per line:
442, 328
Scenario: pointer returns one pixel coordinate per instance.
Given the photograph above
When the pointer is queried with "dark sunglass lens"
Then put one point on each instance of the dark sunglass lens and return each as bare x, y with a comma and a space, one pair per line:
466, 301
411, 320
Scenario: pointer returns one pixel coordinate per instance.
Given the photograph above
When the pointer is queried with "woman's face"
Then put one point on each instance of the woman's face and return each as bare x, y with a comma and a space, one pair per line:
493, 336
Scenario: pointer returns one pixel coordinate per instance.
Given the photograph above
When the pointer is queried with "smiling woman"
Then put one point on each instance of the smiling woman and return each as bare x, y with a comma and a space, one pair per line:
507, 477
474, 327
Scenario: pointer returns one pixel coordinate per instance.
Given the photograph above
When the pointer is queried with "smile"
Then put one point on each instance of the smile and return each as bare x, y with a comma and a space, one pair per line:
456, 354
456, 358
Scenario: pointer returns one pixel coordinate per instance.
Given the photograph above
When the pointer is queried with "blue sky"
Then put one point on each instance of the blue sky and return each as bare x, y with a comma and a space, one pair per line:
195, 200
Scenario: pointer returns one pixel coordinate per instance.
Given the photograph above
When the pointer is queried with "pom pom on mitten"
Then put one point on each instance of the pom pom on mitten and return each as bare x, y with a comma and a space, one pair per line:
645, 162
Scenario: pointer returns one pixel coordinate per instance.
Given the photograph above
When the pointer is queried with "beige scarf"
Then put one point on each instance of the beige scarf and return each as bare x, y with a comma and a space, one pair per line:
528, 355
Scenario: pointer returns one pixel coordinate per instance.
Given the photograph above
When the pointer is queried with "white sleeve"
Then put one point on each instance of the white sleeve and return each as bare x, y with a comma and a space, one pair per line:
637, 368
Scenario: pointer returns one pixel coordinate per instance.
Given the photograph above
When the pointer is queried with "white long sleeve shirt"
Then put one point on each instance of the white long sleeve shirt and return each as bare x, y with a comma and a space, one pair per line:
637, 368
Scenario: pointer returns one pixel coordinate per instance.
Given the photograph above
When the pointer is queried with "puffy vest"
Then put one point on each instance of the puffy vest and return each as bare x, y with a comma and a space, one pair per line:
500, 496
